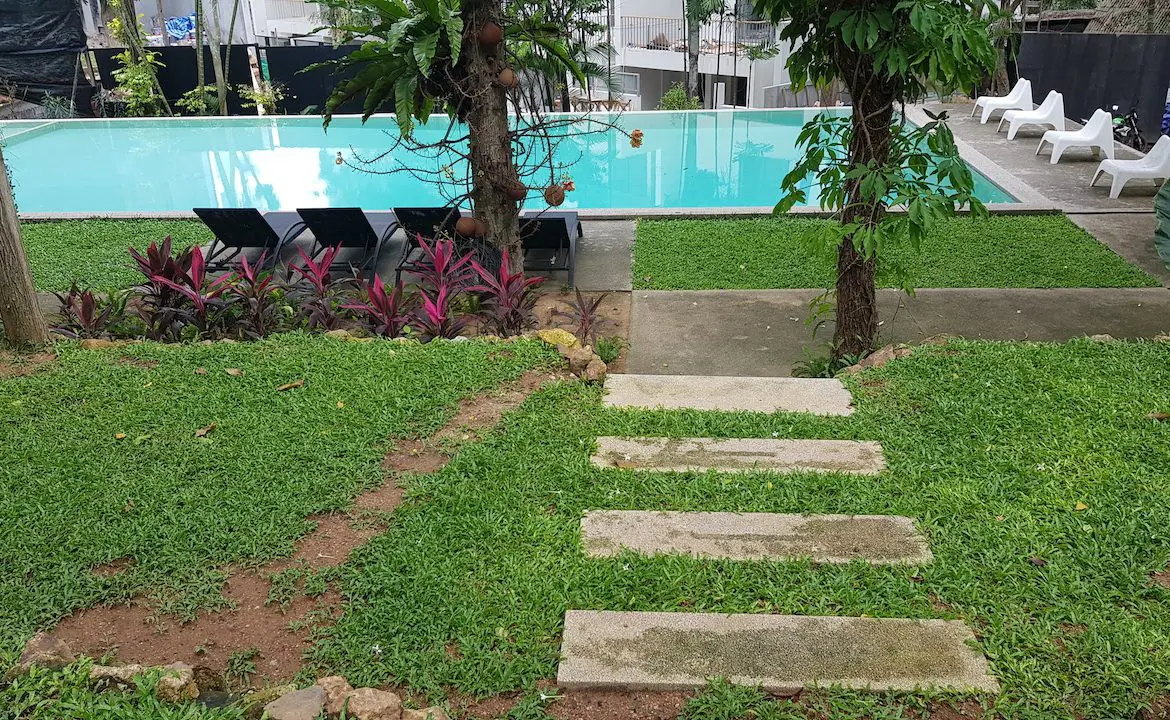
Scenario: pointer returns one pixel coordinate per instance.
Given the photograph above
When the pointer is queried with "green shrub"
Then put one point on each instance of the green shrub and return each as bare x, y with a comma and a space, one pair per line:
676, 98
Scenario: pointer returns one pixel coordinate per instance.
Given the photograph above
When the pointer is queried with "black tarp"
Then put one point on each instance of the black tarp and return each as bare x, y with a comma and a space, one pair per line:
305, 90
40, 46
179, 72
1099, 71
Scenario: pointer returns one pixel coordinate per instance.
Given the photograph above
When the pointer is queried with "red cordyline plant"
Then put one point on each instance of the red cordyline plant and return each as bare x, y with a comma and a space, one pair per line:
318, 290
257, 293
382, 313
509, 298
203, 296
435, 318
84, 316
585, 315
442, 276
441, 266
159, 306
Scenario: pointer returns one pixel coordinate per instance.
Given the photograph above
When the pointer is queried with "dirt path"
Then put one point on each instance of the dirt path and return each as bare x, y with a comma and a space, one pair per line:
135, 633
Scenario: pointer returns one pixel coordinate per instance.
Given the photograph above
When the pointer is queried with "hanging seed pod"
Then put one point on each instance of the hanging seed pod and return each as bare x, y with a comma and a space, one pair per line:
507, 78
491, 35
517, 192
554, 195
466, 226
480, 228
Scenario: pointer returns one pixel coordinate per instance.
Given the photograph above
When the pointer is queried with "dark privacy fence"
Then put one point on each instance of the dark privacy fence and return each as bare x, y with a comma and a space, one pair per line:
307, 91
304, 91
1099, 71
39, 45
180, 74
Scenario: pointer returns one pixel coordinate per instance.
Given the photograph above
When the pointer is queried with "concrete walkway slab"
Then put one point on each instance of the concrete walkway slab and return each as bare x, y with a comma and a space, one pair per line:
605, 256
780, 653
820, 396
660, 454
762, 332
876, 539
1065, 184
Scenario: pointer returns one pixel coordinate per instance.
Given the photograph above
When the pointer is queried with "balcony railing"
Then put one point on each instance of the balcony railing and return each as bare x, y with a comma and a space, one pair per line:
289, 9
670, 34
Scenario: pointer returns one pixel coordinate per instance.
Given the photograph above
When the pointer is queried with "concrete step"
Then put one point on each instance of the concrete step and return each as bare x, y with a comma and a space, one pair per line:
875, 539
780, 653
739, 455
820, 396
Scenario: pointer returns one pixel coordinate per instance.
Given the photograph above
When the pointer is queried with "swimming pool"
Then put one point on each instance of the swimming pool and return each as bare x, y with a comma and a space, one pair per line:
692, 159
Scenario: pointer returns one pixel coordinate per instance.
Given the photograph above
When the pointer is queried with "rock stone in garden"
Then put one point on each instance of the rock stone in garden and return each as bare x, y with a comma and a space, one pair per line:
177, 684
336, 689
119, 677
42, 650
304, 704
339, 334
431, 713
578, 357
1104, 337
879, 358
372, 704
255, 702
595, 371
556, 336
99, 344
208, 679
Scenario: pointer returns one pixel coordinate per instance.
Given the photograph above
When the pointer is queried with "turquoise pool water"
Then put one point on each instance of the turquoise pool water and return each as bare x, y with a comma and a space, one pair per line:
688, 159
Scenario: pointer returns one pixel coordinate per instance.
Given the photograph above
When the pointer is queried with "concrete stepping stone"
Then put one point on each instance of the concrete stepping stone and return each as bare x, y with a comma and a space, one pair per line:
876, 539
781, 653
820, 396
739, 455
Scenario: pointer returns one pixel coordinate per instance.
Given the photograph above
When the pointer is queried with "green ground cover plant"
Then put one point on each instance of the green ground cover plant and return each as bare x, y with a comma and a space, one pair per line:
103, 458
93, 252
1040, 251
1038, 472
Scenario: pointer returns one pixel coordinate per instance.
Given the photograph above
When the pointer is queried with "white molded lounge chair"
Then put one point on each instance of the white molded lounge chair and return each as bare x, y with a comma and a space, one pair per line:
1154, 166
1050, 112
1097, 133
1020, 98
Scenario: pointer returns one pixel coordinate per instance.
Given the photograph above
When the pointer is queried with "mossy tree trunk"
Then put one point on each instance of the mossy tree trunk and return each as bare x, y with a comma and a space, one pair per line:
23, 322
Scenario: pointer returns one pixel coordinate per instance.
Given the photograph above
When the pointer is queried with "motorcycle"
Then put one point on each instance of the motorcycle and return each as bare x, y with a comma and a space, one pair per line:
1125, 129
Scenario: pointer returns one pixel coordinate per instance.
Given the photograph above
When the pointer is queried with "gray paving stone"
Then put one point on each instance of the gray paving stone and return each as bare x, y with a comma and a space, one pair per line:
781, 653
820, 396
876, 539
739, 455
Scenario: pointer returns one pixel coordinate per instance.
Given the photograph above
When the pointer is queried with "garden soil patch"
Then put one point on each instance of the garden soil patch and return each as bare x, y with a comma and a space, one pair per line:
18, 365
135, 633
614, 314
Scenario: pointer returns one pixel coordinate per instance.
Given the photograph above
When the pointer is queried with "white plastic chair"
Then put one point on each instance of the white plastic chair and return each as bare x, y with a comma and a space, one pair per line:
1154, 166
1097, 133
1020, 98
1050, 112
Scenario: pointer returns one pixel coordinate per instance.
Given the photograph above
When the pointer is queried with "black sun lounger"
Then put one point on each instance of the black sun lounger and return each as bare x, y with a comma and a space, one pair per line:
240, 229
349, 228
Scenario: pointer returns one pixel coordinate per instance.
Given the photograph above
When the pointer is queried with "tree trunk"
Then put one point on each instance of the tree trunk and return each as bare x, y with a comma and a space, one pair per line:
19, 311
490, 150
227, 60
692, 57
873, 111
200, 75
217, 59
162, 22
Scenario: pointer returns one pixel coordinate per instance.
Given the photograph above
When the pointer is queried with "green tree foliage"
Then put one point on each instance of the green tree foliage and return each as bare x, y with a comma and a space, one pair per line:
676, 98
887, 53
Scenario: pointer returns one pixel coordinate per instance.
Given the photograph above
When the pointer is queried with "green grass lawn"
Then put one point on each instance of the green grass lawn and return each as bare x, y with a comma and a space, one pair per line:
94, 252
1041, 251
990, 446
74, 495
993, 447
